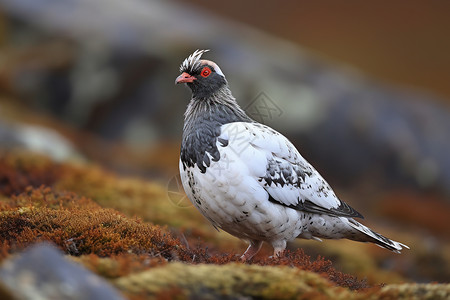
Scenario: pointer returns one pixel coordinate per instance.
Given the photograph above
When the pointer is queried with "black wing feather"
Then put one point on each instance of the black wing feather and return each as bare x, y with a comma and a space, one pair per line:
344, 210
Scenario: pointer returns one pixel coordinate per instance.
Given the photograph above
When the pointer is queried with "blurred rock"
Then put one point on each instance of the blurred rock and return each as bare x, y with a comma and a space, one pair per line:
37, 139
366, 129
41, 272
124, 57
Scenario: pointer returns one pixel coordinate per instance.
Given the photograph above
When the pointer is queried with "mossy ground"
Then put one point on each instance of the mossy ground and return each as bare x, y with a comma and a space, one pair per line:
128, 231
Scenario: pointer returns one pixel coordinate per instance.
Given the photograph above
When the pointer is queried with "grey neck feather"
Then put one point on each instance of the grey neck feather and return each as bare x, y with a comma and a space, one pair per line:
202, 124
220, 102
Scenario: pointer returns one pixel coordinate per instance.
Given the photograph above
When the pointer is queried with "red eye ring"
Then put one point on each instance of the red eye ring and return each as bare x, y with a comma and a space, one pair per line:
205, 72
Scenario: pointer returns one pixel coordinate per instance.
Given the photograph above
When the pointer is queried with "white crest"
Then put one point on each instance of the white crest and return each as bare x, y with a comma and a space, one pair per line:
192, 61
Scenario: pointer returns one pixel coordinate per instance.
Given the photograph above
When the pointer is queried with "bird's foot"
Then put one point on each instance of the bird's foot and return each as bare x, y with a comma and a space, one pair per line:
278, 254
251, 251
278, 251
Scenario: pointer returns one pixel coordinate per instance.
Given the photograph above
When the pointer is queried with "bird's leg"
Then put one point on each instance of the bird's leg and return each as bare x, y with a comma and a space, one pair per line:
278, 248
251, 250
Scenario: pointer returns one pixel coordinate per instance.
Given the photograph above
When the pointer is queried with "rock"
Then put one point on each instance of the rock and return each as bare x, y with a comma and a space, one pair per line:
41, 272
38, 139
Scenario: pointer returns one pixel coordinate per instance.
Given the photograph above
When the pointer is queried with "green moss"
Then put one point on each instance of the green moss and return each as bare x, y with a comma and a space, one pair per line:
415, 291
231, 280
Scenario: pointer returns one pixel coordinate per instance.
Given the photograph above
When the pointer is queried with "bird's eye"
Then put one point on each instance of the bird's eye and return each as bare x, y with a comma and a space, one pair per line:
205, 72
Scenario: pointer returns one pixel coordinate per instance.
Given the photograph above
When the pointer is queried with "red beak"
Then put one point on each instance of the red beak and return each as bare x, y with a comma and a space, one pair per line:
184, 78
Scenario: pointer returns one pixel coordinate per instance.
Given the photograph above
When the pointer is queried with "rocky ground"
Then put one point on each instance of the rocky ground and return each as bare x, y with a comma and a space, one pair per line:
138, 238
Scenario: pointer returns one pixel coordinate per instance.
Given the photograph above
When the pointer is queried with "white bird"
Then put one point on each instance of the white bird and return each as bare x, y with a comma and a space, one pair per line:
249, 180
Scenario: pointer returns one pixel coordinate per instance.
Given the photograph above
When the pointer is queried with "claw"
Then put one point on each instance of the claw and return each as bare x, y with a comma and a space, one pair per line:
278, 249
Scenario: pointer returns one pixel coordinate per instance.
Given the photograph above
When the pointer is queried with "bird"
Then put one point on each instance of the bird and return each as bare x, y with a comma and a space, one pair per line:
249, 180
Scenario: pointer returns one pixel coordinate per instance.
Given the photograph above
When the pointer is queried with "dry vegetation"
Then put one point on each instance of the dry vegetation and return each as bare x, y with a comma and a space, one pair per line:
66, 205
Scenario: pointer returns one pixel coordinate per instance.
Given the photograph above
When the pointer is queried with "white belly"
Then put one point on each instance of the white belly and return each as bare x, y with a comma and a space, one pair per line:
233, 200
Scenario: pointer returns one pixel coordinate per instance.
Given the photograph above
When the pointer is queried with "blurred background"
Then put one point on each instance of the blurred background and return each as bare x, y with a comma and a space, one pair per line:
362, 89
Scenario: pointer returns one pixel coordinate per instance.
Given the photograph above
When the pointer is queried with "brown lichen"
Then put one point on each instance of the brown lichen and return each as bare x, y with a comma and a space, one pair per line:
322, 266
79, 226
20, 170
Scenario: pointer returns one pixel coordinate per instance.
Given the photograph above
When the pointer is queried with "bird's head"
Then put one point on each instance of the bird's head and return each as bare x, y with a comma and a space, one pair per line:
203, 77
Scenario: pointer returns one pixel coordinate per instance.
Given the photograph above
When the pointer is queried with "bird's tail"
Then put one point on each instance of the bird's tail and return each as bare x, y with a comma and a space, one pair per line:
376, 238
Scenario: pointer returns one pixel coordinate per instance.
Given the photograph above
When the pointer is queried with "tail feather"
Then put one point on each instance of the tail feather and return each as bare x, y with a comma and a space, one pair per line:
377, 238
